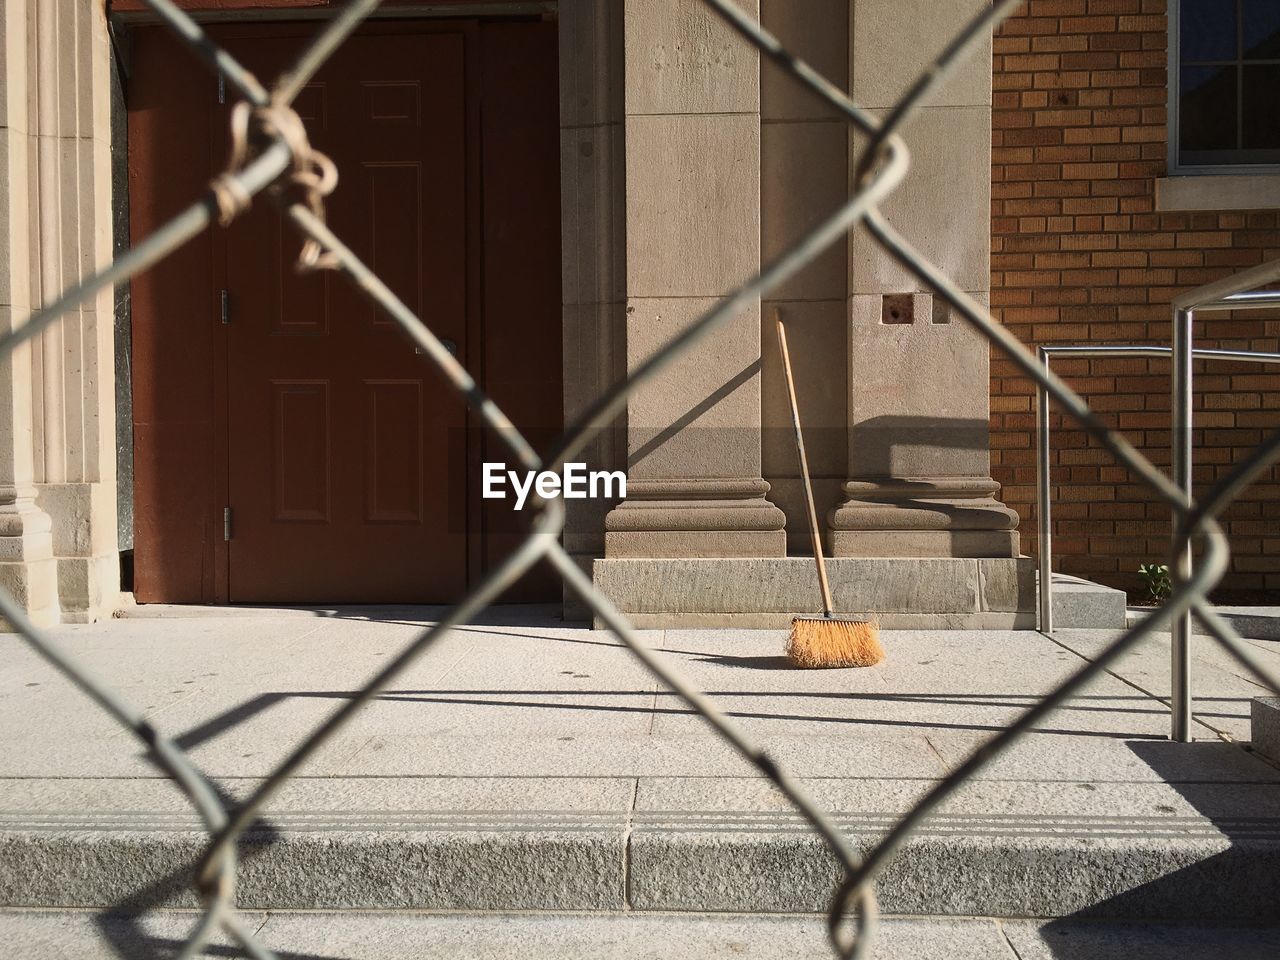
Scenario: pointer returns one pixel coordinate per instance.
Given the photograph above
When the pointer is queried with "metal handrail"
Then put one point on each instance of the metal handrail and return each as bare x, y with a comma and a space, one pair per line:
1229, 293
1180, 440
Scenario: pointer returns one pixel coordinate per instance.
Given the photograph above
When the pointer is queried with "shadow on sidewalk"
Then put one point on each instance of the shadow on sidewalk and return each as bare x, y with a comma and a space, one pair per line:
1236, 886
122, 925
127, 936
552, 700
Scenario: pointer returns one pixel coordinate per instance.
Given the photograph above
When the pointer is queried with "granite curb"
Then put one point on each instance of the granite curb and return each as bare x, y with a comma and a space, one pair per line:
1225, 870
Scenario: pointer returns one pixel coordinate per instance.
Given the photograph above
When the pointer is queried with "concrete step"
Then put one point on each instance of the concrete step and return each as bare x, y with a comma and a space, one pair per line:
1264, 727
1260, 623
1256, 623
633, 936
1084, 605
1209, 853
901, 593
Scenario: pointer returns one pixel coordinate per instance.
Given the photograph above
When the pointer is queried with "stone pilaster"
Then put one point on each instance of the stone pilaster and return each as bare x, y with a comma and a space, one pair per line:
27, 569
57, 455
919, 461
692, 235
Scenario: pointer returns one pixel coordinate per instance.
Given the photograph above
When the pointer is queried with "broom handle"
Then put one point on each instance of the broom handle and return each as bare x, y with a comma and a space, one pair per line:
814, 534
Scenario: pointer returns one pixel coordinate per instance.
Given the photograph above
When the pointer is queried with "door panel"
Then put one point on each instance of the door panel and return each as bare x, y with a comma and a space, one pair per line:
338, 432
174, 311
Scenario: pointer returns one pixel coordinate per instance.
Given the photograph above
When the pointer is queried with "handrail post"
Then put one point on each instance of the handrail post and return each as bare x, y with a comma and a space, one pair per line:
1180, 666
1043, 521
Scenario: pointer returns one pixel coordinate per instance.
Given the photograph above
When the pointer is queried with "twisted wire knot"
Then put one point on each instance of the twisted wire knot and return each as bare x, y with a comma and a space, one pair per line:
312, 176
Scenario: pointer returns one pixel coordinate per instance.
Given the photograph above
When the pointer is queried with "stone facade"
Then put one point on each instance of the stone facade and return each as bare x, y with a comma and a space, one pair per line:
58, 552
685, 164
728, 163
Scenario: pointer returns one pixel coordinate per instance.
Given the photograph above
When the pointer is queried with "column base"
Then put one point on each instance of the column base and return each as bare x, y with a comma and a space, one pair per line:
696, 518
84, 548
88, 587
925, 517
28, 572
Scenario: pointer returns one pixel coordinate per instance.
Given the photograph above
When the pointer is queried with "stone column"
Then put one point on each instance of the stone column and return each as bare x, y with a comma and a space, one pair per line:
27, 568
79, 481
692, 129
57, 437
919, 463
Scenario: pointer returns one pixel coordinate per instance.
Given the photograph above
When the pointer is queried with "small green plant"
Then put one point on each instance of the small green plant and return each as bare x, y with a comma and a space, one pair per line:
1156, 577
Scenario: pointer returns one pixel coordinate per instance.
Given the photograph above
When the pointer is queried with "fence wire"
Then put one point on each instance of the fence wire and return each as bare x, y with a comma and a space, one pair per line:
274, 157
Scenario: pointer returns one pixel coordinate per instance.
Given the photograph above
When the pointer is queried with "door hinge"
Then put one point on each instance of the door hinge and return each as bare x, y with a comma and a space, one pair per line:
226, 523
225, 306
222, 88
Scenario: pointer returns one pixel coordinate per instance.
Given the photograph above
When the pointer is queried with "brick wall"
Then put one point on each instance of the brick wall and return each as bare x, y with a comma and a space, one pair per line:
1080, 255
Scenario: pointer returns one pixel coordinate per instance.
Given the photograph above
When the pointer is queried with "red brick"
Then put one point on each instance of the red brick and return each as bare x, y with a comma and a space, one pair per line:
1031, 62
1090, 135
1094, 60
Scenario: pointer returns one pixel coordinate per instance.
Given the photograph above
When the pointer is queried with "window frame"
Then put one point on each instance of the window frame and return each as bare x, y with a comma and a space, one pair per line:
1173, 114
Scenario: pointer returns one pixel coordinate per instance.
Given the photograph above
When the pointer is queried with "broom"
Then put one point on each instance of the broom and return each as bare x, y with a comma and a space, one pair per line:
826, 641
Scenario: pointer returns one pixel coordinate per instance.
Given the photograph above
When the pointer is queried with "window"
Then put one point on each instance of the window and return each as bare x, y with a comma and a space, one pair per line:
1225, 84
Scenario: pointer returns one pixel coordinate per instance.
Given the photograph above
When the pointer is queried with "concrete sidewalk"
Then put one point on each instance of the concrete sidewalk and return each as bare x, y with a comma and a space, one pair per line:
526, 765
631, 936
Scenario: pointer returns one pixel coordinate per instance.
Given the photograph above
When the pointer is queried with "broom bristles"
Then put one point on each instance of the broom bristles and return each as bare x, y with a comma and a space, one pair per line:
822, 642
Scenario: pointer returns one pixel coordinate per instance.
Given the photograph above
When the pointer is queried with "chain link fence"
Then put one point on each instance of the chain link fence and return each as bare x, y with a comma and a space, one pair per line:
273, 157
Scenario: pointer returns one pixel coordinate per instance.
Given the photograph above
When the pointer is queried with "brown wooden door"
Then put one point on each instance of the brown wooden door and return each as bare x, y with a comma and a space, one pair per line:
350, 469
341, 441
